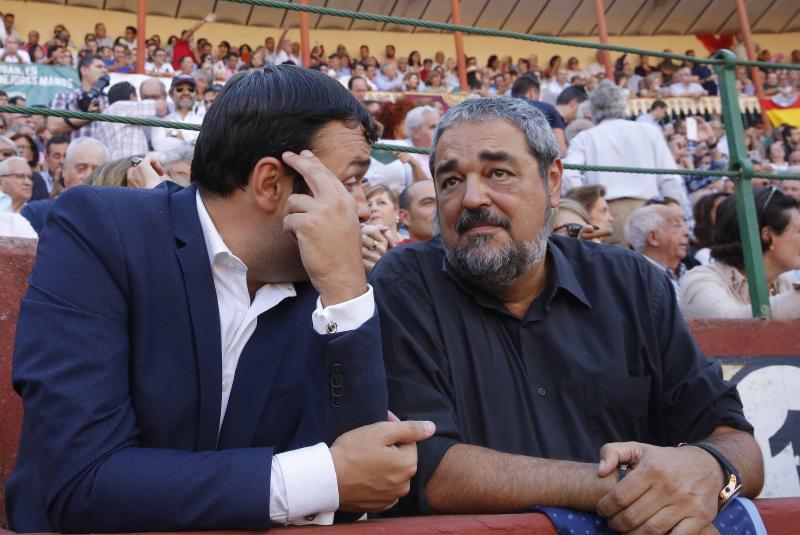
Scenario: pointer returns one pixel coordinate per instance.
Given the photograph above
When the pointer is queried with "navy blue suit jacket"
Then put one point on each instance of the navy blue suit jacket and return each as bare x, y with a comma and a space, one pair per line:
36, 213
117, 359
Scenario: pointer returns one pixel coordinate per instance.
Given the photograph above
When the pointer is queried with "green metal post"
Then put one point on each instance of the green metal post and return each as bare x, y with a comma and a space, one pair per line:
745, 202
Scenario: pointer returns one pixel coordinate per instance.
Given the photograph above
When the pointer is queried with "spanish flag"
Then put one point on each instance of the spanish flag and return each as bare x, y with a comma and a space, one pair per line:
782, 110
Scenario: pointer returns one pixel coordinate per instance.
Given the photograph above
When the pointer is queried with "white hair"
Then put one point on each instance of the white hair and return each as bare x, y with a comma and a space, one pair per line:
607, 102
10, 142
184, 153
5, 164
640, 223
414, 117
81, 141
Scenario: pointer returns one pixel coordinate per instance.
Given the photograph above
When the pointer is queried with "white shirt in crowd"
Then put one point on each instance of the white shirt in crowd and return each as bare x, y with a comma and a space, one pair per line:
681, 90
166, 68
166, 139
619, 142
15, 226
21, 55
302, 482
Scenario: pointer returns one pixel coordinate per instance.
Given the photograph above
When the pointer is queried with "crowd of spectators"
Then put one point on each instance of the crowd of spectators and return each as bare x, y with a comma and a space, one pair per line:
670, 219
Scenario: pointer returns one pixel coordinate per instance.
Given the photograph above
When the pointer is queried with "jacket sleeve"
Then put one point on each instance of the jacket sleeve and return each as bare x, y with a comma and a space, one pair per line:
71, 362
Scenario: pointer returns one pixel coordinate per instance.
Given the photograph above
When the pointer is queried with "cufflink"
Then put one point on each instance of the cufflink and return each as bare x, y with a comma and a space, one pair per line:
331, 327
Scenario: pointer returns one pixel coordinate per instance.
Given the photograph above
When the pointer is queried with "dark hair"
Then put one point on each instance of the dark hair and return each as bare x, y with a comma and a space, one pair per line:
57, 140
658, 104
353, 79
120, 91
571, 93
16, 99
491, 60
3, 93
52, 48
243, 126
34, 146
586, 195
157, 50
773, 211
131, 29
523, 84
703, 217
86, 61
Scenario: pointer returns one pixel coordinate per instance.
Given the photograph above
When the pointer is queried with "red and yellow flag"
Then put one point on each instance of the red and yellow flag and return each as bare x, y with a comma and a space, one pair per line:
779, 115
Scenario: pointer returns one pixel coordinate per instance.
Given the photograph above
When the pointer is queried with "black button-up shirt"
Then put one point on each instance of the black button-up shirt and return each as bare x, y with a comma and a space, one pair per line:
602, 355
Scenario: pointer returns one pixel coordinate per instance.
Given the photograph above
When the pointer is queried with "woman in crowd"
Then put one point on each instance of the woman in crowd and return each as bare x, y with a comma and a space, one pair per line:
705, 217
28, 149
412, 83
384, 209
414, 62
720, 289
777, 157
436, 82
592, 198
552, 67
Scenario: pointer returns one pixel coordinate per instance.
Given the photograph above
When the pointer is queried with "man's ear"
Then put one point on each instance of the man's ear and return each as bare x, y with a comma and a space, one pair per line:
766, 236
270, 185
554, 174
652, 238
405, 216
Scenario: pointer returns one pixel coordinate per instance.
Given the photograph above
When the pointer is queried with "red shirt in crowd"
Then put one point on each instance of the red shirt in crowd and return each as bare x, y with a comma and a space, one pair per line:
182, 49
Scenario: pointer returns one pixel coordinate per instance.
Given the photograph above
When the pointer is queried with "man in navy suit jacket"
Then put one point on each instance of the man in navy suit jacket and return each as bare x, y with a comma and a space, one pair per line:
186, 356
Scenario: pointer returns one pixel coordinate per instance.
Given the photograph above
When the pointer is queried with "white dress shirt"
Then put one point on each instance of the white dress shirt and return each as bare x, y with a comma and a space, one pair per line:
165, 140
619, 142
15, 226
303, 487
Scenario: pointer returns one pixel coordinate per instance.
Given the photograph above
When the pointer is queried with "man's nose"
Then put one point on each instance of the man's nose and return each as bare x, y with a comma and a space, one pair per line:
475, 194
362, 207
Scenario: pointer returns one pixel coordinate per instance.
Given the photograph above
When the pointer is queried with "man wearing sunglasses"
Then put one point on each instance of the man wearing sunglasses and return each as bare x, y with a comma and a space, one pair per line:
183, 92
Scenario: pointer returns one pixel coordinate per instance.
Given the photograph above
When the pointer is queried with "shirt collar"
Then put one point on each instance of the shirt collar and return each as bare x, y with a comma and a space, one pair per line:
669, 272
214, 243
565, 277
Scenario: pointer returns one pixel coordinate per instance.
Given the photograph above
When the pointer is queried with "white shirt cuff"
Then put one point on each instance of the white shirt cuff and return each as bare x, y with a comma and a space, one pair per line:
303, 487
347, 316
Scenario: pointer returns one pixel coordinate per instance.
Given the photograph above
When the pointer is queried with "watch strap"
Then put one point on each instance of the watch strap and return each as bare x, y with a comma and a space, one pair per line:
733, 479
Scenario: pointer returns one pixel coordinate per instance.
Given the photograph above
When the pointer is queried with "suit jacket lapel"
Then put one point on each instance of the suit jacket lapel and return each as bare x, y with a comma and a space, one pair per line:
255, 374
204, 310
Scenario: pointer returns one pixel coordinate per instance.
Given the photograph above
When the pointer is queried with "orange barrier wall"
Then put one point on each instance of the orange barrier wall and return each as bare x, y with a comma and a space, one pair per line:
720, 338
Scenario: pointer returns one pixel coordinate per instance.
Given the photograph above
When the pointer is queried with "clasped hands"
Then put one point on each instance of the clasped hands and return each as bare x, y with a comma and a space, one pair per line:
667, 490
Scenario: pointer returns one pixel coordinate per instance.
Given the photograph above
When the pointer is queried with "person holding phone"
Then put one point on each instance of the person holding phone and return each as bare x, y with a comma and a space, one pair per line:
213, 360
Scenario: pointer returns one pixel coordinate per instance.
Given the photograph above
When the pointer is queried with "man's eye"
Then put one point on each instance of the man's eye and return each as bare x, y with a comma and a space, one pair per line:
448, 183
499, 173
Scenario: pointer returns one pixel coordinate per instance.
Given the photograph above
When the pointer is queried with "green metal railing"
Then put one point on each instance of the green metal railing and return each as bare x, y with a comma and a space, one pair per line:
724, 63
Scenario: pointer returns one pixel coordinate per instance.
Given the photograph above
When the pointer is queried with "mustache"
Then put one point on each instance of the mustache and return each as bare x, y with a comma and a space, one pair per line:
480, 217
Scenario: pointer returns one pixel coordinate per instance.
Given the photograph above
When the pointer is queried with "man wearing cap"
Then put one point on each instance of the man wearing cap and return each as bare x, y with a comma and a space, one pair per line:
182, 92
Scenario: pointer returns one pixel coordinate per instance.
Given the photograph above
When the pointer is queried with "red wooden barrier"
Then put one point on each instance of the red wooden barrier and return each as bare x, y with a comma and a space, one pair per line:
716, 337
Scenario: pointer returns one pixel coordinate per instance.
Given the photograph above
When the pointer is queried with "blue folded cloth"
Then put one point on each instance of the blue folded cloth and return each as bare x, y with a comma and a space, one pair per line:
738, 517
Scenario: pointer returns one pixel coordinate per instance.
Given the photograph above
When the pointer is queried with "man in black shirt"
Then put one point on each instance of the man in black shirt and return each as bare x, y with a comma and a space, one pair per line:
537, 357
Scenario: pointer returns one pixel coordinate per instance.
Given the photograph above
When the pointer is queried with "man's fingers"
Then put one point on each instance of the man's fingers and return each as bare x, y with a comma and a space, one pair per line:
615, 453
637, 513
408, 431
298, 204
662, 522
319, 179
393, 417
623, 494
693, 526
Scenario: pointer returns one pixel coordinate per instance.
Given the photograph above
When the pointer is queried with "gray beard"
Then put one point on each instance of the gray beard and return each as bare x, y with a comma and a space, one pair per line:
490, 269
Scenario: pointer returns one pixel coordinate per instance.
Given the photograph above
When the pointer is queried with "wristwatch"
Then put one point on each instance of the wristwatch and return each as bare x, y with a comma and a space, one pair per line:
734, 480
